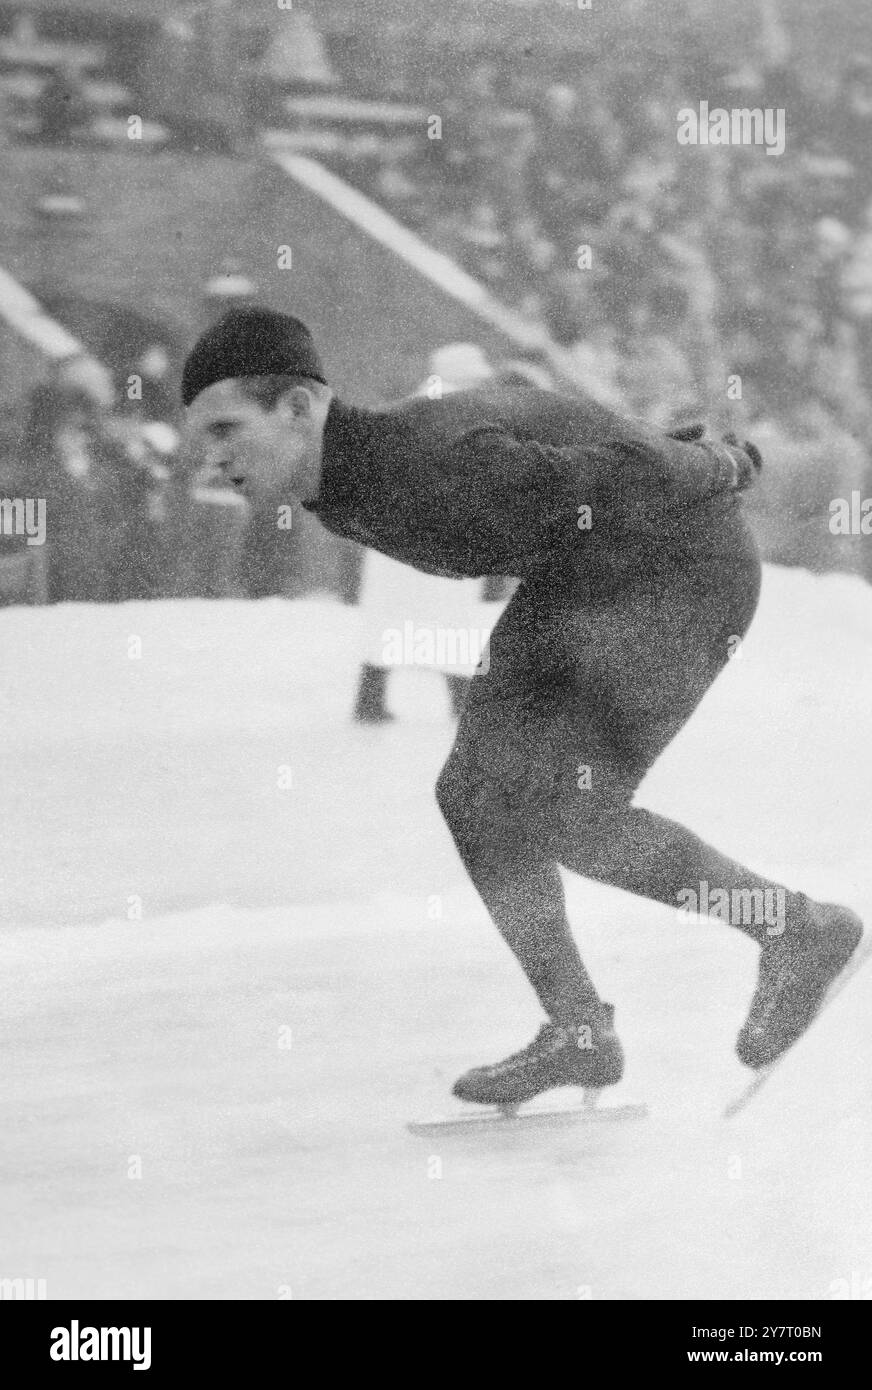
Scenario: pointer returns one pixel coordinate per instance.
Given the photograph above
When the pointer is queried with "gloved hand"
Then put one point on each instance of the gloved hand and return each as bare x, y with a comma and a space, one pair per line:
745, 459
749, 461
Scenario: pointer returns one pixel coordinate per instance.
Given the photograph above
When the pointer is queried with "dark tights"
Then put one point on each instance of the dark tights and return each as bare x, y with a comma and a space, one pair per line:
581, 695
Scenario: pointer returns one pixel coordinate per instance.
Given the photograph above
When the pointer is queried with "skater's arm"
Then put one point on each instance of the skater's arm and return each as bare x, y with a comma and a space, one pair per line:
694, 468
641, 474
651, 472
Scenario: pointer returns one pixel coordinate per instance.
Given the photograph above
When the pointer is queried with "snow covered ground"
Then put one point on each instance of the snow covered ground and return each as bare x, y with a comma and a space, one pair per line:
238, 953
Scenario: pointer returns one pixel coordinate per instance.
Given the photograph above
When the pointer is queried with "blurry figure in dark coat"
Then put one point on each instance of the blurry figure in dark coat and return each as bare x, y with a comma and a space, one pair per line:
64, 472
62, 107
101, 529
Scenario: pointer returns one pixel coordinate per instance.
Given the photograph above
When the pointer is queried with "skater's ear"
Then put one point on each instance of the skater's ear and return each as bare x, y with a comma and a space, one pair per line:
295, 394
298, 401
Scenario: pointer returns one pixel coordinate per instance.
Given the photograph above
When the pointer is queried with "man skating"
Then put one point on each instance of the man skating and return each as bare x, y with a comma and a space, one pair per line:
638, 575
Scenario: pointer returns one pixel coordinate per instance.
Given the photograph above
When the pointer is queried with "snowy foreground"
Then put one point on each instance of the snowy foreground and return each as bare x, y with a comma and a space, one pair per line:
224, 995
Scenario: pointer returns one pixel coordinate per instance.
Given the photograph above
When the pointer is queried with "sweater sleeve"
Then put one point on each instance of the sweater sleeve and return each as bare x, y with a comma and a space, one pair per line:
621, 481
672, 473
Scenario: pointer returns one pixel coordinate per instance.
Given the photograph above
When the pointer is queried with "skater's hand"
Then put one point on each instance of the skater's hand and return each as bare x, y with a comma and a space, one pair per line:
748, 461
742, 462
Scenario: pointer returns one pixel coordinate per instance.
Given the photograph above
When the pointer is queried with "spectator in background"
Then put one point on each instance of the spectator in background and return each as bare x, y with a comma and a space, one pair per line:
62, 107
159, 397
577, 156
131, 454
856, 294
704, 266
457, 165
850, 131
23, 572
393, 595
811, 460
230, 289
57, 445
654, 376
204, 528
102, 536
598, 364
474, 126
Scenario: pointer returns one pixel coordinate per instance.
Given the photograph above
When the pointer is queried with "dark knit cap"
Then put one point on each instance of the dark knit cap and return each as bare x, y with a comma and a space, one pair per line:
250, 342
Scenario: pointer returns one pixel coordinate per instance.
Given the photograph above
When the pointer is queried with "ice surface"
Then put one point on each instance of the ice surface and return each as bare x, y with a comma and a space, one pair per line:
250, 987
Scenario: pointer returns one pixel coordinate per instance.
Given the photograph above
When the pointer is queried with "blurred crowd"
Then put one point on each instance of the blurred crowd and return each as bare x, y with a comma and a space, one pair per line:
682, 282
118, 506
663, 272
739, 263
131, 510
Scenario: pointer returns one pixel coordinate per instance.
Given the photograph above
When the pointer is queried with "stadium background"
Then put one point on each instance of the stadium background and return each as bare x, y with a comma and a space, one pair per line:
172, 910
558, 131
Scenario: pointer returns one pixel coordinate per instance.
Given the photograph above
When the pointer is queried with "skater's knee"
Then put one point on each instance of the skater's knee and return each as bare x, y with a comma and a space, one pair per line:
583, 830
484, 828
455, 799
461, 798
592, 807
448, 793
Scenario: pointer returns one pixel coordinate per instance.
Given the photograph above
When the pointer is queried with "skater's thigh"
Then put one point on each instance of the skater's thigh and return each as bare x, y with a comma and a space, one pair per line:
639, 664
524, 729
578, 695
634, 670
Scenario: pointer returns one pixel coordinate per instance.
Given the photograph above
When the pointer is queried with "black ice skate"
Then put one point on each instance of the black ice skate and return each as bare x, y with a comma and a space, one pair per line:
588, 1055
795, 973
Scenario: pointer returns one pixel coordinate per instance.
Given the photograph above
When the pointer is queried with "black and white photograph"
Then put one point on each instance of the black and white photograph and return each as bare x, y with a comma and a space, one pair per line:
436, 618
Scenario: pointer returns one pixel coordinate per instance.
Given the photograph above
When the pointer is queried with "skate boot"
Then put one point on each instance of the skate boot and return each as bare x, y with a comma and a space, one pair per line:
795, 972
584, 1054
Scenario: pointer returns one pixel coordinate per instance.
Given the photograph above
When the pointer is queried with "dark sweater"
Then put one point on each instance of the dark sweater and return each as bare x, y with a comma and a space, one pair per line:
491, 482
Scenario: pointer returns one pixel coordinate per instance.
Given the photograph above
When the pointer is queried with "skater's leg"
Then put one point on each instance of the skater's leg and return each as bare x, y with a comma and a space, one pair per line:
578, 702
493, 791
640, 667
805, 944
505, 856
491, 795
458, 689
657, 858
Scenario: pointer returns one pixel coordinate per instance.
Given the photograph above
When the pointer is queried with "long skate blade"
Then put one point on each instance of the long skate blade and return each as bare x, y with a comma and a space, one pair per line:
855, 963
493, 1117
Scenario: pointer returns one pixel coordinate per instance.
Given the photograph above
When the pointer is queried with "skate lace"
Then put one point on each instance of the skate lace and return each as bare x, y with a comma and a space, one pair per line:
548, 1030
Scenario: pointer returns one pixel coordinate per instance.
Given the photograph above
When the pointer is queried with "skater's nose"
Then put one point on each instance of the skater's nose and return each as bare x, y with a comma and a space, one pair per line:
218, 455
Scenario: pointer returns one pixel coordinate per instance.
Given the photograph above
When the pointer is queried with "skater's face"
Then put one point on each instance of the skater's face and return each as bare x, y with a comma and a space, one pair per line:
262, 452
